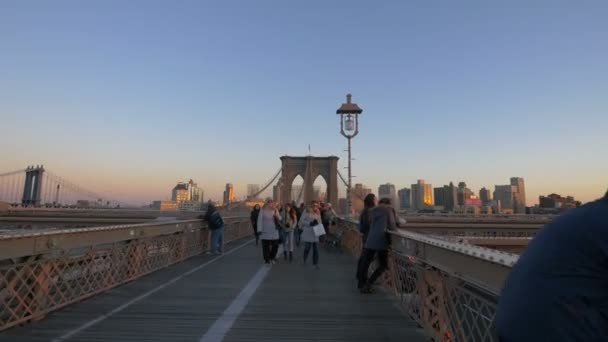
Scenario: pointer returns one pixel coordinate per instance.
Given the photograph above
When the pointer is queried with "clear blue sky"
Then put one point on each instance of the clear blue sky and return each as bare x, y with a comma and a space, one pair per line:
128, 97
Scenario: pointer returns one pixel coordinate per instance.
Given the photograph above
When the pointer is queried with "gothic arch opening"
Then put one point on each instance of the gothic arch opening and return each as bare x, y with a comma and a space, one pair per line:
297, 190
320, 189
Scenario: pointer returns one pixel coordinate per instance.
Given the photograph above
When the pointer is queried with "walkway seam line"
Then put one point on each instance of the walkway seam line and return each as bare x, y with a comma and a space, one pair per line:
224, 323
107, 315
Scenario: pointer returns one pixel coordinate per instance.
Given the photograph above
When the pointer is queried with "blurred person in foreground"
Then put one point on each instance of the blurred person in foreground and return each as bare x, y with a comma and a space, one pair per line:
558, 289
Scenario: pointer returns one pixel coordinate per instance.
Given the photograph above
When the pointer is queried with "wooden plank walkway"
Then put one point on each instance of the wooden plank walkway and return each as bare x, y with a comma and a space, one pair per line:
293, 302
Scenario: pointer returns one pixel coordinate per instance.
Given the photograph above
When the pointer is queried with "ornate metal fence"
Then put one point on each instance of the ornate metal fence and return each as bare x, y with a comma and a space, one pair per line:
42, 272
451, 289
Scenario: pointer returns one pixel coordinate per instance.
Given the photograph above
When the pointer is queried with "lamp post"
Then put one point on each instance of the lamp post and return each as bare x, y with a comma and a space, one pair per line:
349, 127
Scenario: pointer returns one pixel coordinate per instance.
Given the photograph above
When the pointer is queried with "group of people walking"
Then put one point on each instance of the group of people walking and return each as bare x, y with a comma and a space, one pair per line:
289, 226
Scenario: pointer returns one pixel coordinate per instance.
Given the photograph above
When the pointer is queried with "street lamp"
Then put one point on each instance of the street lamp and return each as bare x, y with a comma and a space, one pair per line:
349, 127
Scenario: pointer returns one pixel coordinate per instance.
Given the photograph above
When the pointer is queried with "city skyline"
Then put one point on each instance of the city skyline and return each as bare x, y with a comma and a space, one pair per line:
500, 90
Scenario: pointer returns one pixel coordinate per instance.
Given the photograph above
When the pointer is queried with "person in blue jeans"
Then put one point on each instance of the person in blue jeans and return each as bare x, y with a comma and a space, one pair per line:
310, 218
216, 225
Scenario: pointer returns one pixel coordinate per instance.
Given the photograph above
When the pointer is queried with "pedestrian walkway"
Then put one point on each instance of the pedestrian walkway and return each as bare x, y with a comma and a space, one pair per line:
232, 297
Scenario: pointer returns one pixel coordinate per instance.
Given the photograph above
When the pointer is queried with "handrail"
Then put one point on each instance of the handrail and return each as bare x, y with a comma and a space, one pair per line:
450, 288
44, 271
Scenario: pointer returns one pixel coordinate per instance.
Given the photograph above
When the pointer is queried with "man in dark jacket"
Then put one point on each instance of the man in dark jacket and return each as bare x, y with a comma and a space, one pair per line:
558, 290
382, 218
216, 225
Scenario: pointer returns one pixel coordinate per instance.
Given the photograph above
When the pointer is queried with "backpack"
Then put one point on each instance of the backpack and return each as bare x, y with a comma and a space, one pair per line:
215, 221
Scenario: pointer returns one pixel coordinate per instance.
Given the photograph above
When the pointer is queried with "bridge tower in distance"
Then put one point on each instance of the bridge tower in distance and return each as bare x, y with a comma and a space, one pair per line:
32, 188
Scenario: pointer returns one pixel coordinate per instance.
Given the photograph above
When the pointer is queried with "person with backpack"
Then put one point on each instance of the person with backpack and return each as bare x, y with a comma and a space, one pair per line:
216, 225
269, 225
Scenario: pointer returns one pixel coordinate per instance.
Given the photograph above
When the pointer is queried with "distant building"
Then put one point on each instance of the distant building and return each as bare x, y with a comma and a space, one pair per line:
439, 197
180, 193
83, 204
164, 205
446, 196
190, 206
506, 195
422, 195
519, 199
195, 193
463, 193
405, 198
388, 191
229, 194
359, 193
252, 189
555, 203
485, 195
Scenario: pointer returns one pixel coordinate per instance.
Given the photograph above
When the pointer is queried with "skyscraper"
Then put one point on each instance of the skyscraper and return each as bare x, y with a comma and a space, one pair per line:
451, 196
388, 191
229, 194
439, 196
519, 205
505, 194
485, 196
405, 198
422, 195
446, 196
252, 189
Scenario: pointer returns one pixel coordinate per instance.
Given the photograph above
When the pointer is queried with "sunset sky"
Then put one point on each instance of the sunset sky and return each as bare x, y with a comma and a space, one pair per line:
128, 97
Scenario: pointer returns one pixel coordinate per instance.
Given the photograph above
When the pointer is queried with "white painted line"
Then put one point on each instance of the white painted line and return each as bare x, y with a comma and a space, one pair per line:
222, 325
109, 314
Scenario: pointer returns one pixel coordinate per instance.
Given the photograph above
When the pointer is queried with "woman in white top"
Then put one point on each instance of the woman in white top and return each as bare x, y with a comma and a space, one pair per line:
310, 218
268, 227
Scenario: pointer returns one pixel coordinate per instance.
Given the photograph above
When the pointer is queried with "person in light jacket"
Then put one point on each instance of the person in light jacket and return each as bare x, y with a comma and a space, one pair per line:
310, 218
382, 218
268, 226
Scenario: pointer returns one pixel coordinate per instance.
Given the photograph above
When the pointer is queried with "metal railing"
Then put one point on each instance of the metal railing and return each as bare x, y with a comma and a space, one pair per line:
45, 271
450, 288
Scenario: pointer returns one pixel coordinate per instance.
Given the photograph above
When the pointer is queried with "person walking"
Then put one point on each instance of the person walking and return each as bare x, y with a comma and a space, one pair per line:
290, 221
382, 218
369, 202
298, 232
269, 225
216, 225
310, 218
255, 213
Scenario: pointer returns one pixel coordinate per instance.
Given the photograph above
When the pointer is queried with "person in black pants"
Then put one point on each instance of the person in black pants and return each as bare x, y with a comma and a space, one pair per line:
269, 225
382, 218
255, 213
364, 222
